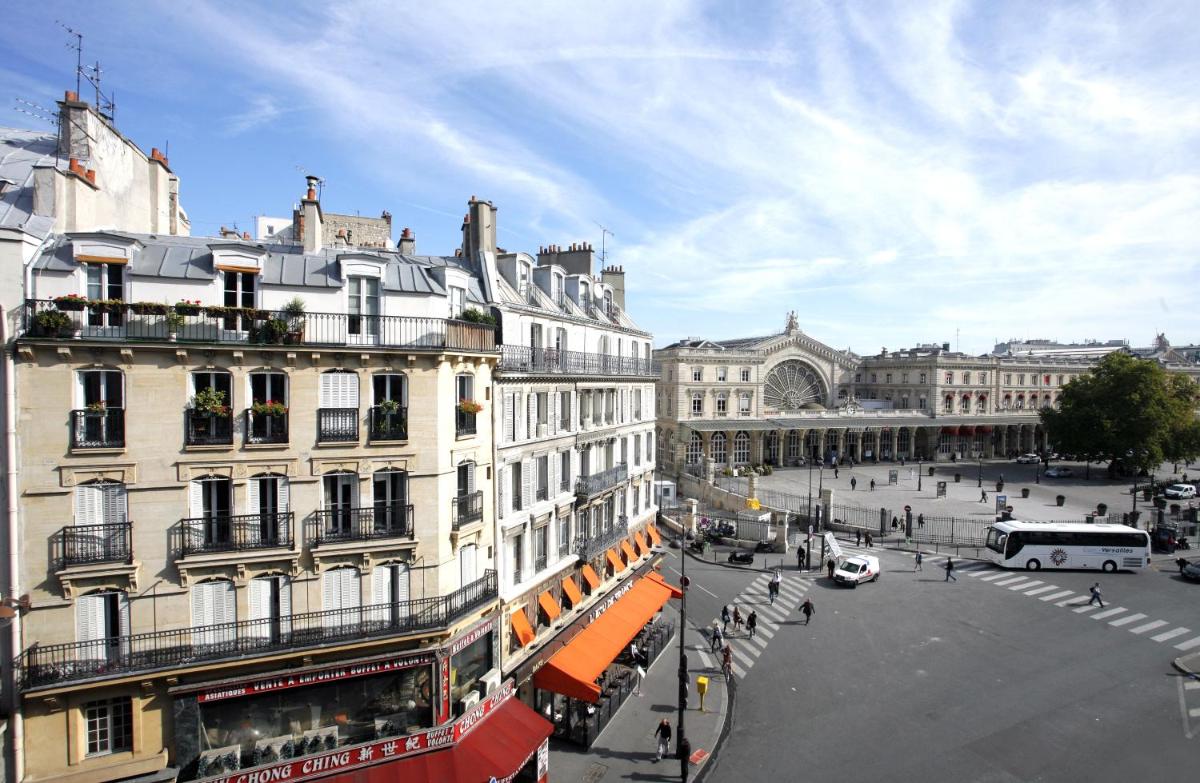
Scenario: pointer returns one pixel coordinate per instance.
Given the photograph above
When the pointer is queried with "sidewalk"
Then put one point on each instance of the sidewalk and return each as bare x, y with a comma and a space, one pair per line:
626, 748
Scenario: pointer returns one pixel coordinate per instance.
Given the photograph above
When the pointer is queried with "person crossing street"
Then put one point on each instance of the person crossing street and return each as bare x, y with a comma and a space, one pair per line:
663, 735
1095, 599
752, 623
919, 559
950, 570
808, 609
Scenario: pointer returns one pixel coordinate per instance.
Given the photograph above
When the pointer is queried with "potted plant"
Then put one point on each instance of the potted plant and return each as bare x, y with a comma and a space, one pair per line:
149, 308
293, 316
268, 408
99, 406
187, 306
175, 322
210, 401
469, 406
1024, 492
70, 302
54, 323
218, 311
1060, 499
474, 316
1102, 509
106, 305
389, 407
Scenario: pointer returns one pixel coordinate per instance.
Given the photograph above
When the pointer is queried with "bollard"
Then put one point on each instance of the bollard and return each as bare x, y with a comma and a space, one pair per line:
702, 688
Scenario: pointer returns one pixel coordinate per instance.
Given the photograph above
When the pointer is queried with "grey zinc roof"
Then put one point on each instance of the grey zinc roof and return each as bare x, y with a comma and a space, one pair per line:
21, 151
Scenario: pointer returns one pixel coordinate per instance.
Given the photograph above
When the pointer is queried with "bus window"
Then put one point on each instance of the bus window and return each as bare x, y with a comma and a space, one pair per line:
995, 540
1016, 540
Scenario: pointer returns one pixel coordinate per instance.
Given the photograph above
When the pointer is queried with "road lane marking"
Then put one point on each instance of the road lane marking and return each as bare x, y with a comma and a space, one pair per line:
1109, 613
1133, 618
1041, 590
1054, 596
739, 654
1162, 637
1011, 581
991, 577
1150, 626
1027, 586
762, 631
1191, 685
757, 639
1194, 712
1189, 644
1086, 608
1075, 599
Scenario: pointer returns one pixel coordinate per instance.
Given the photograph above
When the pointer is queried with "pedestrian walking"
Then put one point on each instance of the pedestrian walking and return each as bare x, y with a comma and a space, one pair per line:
773, 586
714, 642
800, 551
853, 483
895, 523
808, 609
737, 619
835, 470
872, 485
663, 735
869, 539
832, 564
920, 559
1096, 599
857, 537
950, 570
920, 520
983, 496
727, 662
752, 623
725, 618
639, 675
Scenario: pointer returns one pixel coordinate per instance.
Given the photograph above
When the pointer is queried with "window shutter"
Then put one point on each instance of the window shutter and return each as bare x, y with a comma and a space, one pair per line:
518, 417
260, 601
350, 390
551, 468
381, 585
532, 417
283, 496
253, 502
466, 562
87, 504
196, 498
471, 468
552, 412
89, 622
330, 590
509, 428
114, 504
285, 604
328, 395
501, 489
526, 484
401, 577
351, 593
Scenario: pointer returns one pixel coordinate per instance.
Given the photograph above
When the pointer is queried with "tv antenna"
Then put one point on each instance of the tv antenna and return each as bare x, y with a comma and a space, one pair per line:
603, 245
36, 111
320, 180
105, 104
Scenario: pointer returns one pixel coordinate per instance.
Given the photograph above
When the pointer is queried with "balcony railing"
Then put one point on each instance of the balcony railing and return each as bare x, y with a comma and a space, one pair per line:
389, 425
523, 358
360, 524
589, 547
205, 535
467, 509
102, 429
266, 427
215, 324
464, 423
207, 429
57, 664
337, 425
588, 486
83, 544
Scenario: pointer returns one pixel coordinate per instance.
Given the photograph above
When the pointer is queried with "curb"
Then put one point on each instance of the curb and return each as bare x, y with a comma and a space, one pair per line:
702, 770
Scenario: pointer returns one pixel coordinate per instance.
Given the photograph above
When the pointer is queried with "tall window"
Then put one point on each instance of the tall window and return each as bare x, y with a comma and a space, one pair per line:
697, 374
948, 404
543, 476
517, 547
265, 386
717, 445
745, 375
697, 403
564, 411
966, 377
101, 619
214, 608
744, 404
341, 590
101, 389
239, 292
695, 449
363, 308
390, 592
564, 471
517, 486
389, 492
741, 448
458, 301
100, 503
464, 386
105, 281
109, 725
270, 606
922, 378
211, 502
722, 374
722, 403
219, 382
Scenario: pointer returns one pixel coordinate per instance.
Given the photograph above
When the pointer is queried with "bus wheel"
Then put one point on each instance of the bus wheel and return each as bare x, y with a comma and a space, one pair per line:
1110, 567
1033, 565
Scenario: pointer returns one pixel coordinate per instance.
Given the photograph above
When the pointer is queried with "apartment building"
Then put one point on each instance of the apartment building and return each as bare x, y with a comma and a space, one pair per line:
257, 493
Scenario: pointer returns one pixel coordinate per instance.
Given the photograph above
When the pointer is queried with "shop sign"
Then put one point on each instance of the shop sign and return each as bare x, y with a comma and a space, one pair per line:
610, 600
473, 635
283, 682
321, 765
444, 713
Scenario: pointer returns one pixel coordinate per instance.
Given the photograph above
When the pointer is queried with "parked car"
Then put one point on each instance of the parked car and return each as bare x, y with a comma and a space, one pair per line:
860, 568
1059, 473
1181, 491
1029, 459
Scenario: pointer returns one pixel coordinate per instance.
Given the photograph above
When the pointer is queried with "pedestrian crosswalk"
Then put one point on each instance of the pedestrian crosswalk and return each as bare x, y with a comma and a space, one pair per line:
756, 597
1181, 638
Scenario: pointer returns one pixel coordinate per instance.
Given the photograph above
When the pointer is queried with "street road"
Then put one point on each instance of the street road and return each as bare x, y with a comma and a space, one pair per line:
1002, 676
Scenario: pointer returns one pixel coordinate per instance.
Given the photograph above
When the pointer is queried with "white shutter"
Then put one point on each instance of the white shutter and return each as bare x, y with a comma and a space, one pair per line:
551, 469
330, 590
89, 626
328, 395
253, 501
114, 504
402, 579
381, 592
204, 612
196, 498
351, 594
509, 428
349, 386
88, 505
283, 497
259, 594
285, 604
526, 484
466, 562
532, 415
471, 468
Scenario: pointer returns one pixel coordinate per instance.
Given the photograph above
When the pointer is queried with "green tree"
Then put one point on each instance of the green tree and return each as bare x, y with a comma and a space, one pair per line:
1129, 412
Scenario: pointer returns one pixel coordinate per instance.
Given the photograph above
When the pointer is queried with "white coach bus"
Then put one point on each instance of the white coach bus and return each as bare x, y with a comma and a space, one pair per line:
1035, 545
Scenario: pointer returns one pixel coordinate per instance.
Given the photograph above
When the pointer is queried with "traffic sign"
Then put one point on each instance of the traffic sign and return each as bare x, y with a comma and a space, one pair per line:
907, 509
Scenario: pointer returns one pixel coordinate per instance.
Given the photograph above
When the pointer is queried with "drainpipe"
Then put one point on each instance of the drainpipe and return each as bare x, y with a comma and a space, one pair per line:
15, 720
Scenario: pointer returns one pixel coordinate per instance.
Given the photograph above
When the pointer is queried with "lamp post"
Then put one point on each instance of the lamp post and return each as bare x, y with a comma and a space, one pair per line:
810, 491
682, 746
979, 477
920, 471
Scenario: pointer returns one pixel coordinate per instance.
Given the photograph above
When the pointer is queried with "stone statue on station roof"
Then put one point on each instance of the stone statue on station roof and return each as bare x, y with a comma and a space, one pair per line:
792, 325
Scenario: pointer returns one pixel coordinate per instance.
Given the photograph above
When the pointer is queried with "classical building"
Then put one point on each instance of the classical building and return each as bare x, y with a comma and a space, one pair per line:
256, 511
787, 398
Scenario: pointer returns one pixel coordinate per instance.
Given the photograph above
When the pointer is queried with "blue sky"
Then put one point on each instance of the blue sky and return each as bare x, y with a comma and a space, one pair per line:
894, 172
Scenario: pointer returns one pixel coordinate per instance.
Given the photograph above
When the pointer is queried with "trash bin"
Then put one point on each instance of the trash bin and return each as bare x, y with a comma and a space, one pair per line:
957, 477
1060, 499
1024, 492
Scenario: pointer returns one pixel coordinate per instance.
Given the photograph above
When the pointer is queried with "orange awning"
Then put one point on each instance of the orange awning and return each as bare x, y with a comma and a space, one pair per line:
657, 577
630, 555
549, 605
640, 537
614, 560
572, 671
521, 627
591, 577
572, 590
654, 536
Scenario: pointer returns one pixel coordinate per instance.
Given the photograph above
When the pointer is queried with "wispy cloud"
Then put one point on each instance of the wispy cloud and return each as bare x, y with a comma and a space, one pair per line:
263, 111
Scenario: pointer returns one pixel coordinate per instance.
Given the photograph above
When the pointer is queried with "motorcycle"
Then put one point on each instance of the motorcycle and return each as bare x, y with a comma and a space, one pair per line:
741, 557
699, 545
764, 546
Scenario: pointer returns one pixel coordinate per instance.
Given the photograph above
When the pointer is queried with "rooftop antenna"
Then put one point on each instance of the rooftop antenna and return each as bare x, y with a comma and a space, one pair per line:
36, 111
78, 47
957, 342
603, 246
105, 104
320, 180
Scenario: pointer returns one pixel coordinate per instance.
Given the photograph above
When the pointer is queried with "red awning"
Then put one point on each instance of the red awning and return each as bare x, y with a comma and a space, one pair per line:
950, 430
966, 430
496, 748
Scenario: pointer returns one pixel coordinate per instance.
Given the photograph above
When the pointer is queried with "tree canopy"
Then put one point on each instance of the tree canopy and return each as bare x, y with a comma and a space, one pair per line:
1129, 412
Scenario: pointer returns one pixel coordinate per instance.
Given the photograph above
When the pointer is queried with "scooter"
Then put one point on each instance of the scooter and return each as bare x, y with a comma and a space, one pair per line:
741, 556
764, 546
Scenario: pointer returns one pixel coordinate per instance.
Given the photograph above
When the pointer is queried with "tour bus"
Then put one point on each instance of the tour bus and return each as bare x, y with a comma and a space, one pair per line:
1035, 545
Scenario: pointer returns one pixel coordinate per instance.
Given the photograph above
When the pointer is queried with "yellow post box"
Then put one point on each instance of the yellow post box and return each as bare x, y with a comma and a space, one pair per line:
702, 688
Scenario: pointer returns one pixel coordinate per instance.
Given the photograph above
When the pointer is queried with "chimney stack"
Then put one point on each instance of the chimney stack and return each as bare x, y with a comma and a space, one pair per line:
576, 258
311, 220
479, 229
613, 276
408, 242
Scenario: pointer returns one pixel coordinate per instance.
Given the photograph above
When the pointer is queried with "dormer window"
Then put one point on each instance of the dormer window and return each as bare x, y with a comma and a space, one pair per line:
105, 282
458, 301
523, 279
239, 292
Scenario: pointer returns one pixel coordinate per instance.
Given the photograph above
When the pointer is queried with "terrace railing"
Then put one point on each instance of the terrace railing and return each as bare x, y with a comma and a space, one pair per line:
523, 358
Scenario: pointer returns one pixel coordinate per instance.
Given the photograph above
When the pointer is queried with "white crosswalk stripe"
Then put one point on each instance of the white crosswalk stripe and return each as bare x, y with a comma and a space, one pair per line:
1041, 590
1011, 581
1148, 626
1162, 637
993, 577
1054, 596
1026, 585
1086, 608
1109, 613
1189, 644
1132, 618
1074, 600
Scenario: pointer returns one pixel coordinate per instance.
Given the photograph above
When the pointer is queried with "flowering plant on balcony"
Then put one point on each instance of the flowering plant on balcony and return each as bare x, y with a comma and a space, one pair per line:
469, 406
269, 408
210, 401
70, 302
99, 406
389, 406
187, 306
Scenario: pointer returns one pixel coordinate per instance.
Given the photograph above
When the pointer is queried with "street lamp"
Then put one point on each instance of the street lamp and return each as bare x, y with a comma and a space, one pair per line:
920, 471
682, 746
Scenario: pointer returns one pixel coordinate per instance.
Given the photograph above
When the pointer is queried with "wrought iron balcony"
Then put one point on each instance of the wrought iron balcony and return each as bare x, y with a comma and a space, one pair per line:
467, 509
266, 427
464, 423
205, 535
388, 424
590, 486
333, 525
76, 545
139, 322
591, 546
47, 665
98, 429
523, 358
207, 429
337, 425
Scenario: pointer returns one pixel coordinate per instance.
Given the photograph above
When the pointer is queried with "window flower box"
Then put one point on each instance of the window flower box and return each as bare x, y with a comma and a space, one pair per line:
211, 402
149, 308
269, 408
53, 323
187, 307
469, 406
70, 302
